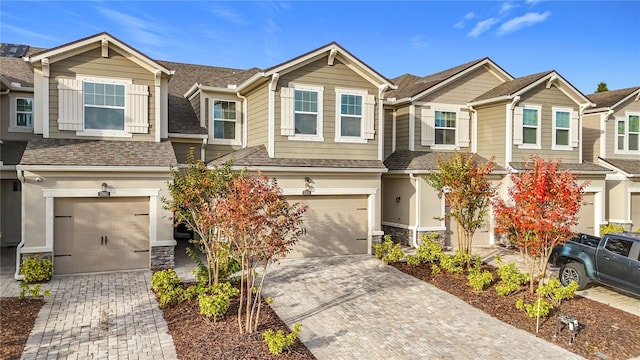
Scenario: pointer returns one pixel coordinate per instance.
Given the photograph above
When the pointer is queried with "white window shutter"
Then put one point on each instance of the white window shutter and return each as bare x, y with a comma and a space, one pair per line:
428, 120
70, 104
136, 113
287, 123
369, 116
463, 129
517, 125
574, 130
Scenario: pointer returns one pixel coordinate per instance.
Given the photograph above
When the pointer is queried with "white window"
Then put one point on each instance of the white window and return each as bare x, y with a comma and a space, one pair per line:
628, 133
21, 114
527, 125
97, 106
354, 116
302, 112
445, 126
226, 129
561, 128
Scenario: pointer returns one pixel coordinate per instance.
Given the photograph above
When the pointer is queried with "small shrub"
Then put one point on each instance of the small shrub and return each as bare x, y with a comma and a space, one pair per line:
511, 278
540, 307
36, 270
610, 228
455, 263
551, 296
429, 251
479, 280
166, 284
217, 304
387, 251
33, 291
278, 341
435, 269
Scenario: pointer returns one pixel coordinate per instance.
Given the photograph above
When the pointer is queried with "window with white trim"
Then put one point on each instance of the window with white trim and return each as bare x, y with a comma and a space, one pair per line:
103, 106
628, 133
301, 112
354, 116
21, 114
445, 127
561, 128
225, 122
527, 125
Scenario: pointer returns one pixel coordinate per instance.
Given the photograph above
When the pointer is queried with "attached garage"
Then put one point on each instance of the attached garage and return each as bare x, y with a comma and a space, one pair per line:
333, 225
586, 219
100, 234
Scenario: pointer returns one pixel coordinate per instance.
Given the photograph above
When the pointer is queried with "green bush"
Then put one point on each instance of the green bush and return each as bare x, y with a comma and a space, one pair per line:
387, 251
429, 251
36, 270
217, 304
435, 269
278, 341
455, 263
511, 278
479, 280
33, 291
166, 284
551, 296
610, 228
533, 310
226, 268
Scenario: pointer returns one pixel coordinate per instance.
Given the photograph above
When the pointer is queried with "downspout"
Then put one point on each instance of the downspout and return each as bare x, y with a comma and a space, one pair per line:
5, 92
17, 275
474, 130
273, 84
417, 219
245, 120
381, 90
203, 151
509, 143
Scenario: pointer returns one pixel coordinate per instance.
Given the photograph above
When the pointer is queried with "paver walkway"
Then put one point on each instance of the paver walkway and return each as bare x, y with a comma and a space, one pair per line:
97, 316
354, 307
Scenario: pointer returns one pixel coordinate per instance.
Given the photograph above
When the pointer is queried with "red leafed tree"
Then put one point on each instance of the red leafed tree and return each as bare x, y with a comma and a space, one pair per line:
262, 228
544, 204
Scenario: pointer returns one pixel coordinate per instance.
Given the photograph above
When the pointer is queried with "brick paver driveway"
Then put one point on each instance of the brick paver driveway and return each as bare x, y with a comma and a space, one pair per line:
354, 307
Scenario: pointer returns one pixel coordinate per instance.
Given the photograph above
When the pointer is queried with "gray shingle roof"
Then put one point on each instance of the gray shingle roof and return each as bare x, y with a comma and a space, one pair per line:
421, 160
511, 87
182, 118
609, 98
257, 156
16, 70
574, 167
410, 85
631, 167
11, 151
98, 153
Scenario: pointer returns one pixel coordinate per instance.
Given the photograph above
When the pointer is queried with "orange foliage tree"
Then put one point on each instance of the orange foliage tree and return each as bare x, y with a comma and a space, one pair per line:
544, 204
262, 227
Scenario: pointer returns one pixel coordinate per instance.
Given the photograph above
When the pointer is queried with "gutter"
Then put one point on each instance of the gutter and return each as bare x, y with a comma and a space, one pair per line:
159, 169
309, 169
417, 219
17, 275
245, 120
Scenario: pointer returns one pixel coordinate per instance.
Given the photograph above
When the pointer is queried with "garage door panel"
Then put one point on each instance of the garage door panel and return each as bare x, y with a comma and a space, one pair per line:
333, 225
586, 219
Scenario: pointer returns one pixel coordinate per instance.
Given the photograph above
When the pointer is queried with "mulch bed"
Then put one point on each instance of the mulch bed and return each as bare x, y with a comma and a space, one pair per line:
17, 318
605, 332
198, 338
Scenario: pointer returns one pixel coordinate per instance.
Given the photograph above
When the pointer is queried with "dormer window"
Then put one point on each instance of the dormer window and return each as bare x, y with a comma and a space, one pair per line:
226, 128
21, 114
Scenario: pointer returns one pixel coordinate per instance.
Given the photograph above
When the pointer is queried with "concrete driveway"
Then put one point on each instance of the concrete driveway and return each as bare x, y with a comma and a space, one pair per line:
354, 307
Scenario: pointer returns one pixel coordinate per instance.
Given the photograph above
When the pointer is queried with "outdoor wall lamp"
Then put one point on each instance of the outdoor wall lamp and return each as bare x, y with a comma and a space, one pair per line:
307, 186
398, 199
105, 190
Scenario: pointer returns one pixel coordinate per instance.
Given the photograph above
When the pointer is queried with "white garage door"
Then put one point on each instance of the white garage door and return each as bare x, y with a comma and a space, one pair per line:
586, 220
100, 234
334, 225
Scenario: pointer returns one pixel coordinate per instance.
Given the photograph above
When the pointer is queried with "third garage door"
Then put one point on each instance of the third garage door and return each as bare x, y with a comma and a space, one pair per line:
100, 234
334, 225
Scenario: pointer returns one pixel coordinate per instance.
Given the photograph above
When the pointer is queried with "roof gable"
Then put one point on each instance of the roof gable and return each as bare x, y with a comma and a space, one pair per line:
103, 40
613, 98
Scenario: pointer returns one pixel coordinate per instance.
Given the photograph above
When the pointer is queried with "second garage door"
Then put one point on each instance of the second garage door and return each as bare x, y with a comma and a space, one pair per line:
333, 225
100, 234
586, 218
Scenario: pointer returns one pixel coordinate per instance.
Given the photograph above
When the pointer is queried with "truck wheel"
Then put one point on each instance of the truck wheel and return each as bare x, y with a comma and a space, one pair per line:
573, 271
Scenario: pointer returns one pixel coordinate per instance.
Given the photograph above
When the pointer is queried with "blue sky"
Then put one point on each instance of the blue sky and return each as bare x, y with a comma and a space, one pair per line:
585, 41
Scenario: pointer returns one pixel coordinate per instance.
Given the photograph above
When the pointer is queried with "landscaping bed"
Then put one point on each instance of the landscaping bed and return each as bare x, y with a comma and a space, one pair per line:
16, 321
605, 332
195, 337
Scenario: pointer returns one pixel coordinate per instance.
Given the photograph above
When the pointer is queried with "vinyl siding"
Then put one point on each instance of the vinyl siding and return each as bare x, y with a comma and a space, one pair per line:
182, 150
215, 151
611, 130
491, 132
547, 98
402, 128
338, 75
258, 110
195, 104
388, 132
398, 212
591, 137
92, 63
464, 89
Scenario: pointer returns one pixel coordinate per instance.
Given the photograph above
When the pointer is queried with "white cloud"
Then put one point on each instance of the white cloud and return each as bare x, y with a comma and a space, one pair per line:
418, 42
482, 26
142, 31
521, 22
27, 33
506, 6
229, 15
533, 2
469, 16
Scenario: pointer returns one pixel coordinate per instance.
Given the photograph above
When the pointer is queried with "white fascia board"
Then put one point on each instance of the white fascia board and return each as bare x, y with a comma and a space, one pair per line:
490, 101
219, 89
192, 90
580, 97
93, 168
7, 167
250, 81
597, 110
330, 191
616, 170
449, 80
188, 136
309, 169
60, 51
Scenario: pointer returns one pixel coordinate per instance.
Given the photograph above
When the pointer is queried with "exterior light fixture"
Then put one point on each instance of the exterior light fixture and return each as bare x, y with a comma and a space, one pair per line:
398, 199
105, 190
307, 186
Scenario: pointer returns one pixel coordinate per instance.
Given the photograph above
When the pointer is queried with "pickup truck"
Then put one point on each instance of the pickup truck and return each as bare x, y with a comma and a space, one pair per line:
612, 260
